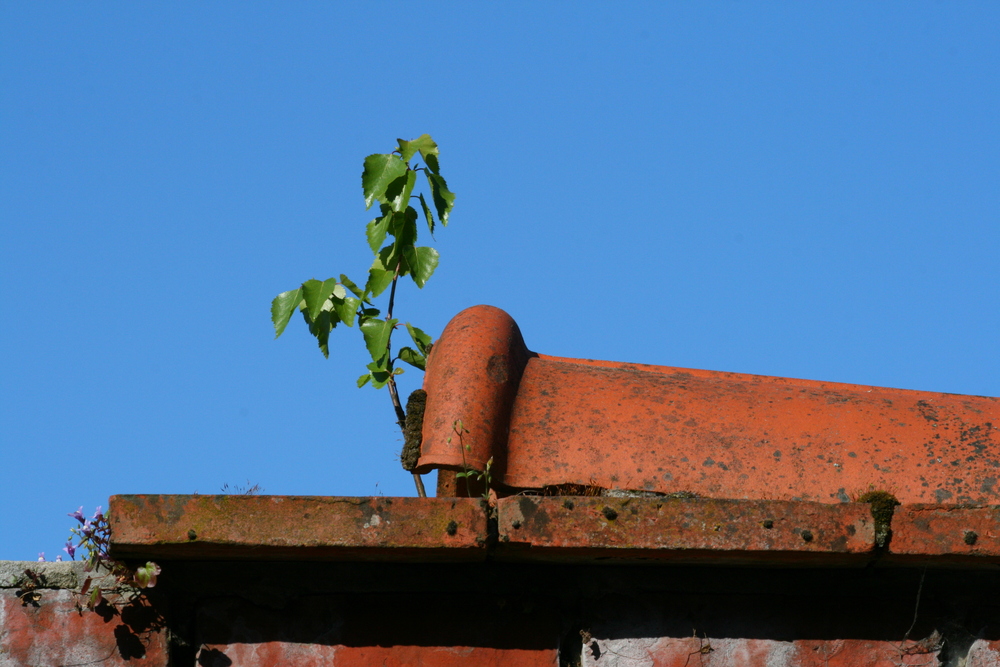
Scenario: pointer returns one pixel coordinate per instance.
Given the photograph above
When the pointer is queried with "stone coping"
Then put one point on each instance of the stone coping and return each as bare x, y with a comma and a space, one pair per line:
558, 528
296, 527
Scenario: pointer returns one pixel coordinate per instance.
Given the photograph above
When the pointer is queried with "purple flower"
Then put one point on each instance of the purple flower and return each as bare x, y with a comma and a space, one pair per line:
88, 528
78, 515
58, 559
70, 549
41, 556
97, 515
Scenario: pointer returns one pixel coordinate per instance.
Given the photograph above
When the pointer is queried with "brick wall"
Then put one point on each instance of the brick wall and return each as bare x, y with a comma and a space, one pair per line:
512, 613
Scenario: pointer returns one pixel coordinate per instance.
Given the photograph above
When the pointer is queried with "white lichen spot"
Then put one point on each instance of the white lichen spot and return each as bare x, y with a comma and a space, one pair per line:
982, 655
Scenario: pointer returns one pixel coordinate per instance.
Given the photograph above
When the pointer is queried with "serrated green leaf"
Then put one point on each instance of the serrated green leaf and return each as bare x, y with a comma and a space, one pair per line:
282, 308
315, 294
363, 380
378, 280
432, 163
346, 309
370, 312
390, 258
428, 149
380, 170
444, 199
409, 257
380, 365
380, 375
376, 231
407, 149
428, 216
404, 265
339, 291
424, 144
320, 327
404, 227
422, 262
355, 290
377, 334
397, 193
421, 339
413, 358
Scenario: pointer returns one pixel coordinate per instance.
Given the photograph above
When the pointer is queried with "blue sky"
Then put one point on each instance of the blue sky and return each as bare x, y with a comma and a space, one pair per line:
797, 189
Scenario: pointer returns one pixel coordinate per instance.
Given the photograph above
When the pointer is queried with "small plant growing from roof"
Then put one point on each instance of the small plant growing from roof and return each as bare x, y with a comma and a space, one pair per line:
390, 180
483, 477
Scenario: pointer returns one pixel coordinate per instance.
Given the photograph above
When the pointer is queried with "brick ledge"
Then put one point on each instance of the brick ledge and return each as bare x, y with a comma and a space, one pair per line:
535, 528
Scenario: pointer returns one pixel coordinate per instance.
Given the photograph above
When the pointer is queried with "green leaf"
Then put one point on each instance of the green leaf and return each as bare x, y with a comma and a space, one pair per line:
320, 327
346, 309
432, 163
444, 199
404, 265
390, 258
380, 170
378, 279
409, 257
282, 308
407, 149
413, 358
421, 339
404, 227
397, 193
355, 290
316, 293
363, 380
380, 374
380, 365
424, 144
422, 262
428, 216
377, 334
376, 231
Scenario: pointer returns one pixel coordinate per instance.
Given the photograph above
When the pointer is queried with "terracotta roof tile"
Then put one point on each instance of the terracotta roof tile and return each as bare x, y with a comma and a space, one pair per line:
548, 420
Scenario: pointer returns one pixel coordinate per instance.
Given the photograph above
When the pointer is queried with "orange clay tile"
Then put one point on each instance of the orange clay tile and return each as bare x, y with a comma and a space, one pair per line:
548, 420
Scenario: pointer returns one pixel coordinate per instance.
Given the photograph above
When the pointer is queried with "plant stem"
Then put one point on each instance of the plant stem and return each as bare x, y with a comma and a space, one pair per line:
465, 465
393, 393
401, 420
392, 295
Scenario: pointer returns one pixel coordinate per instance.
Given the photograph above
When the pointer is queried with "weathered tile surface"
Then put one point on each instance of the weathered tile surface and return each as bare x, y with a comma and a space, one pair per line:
293, 527
682, 528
